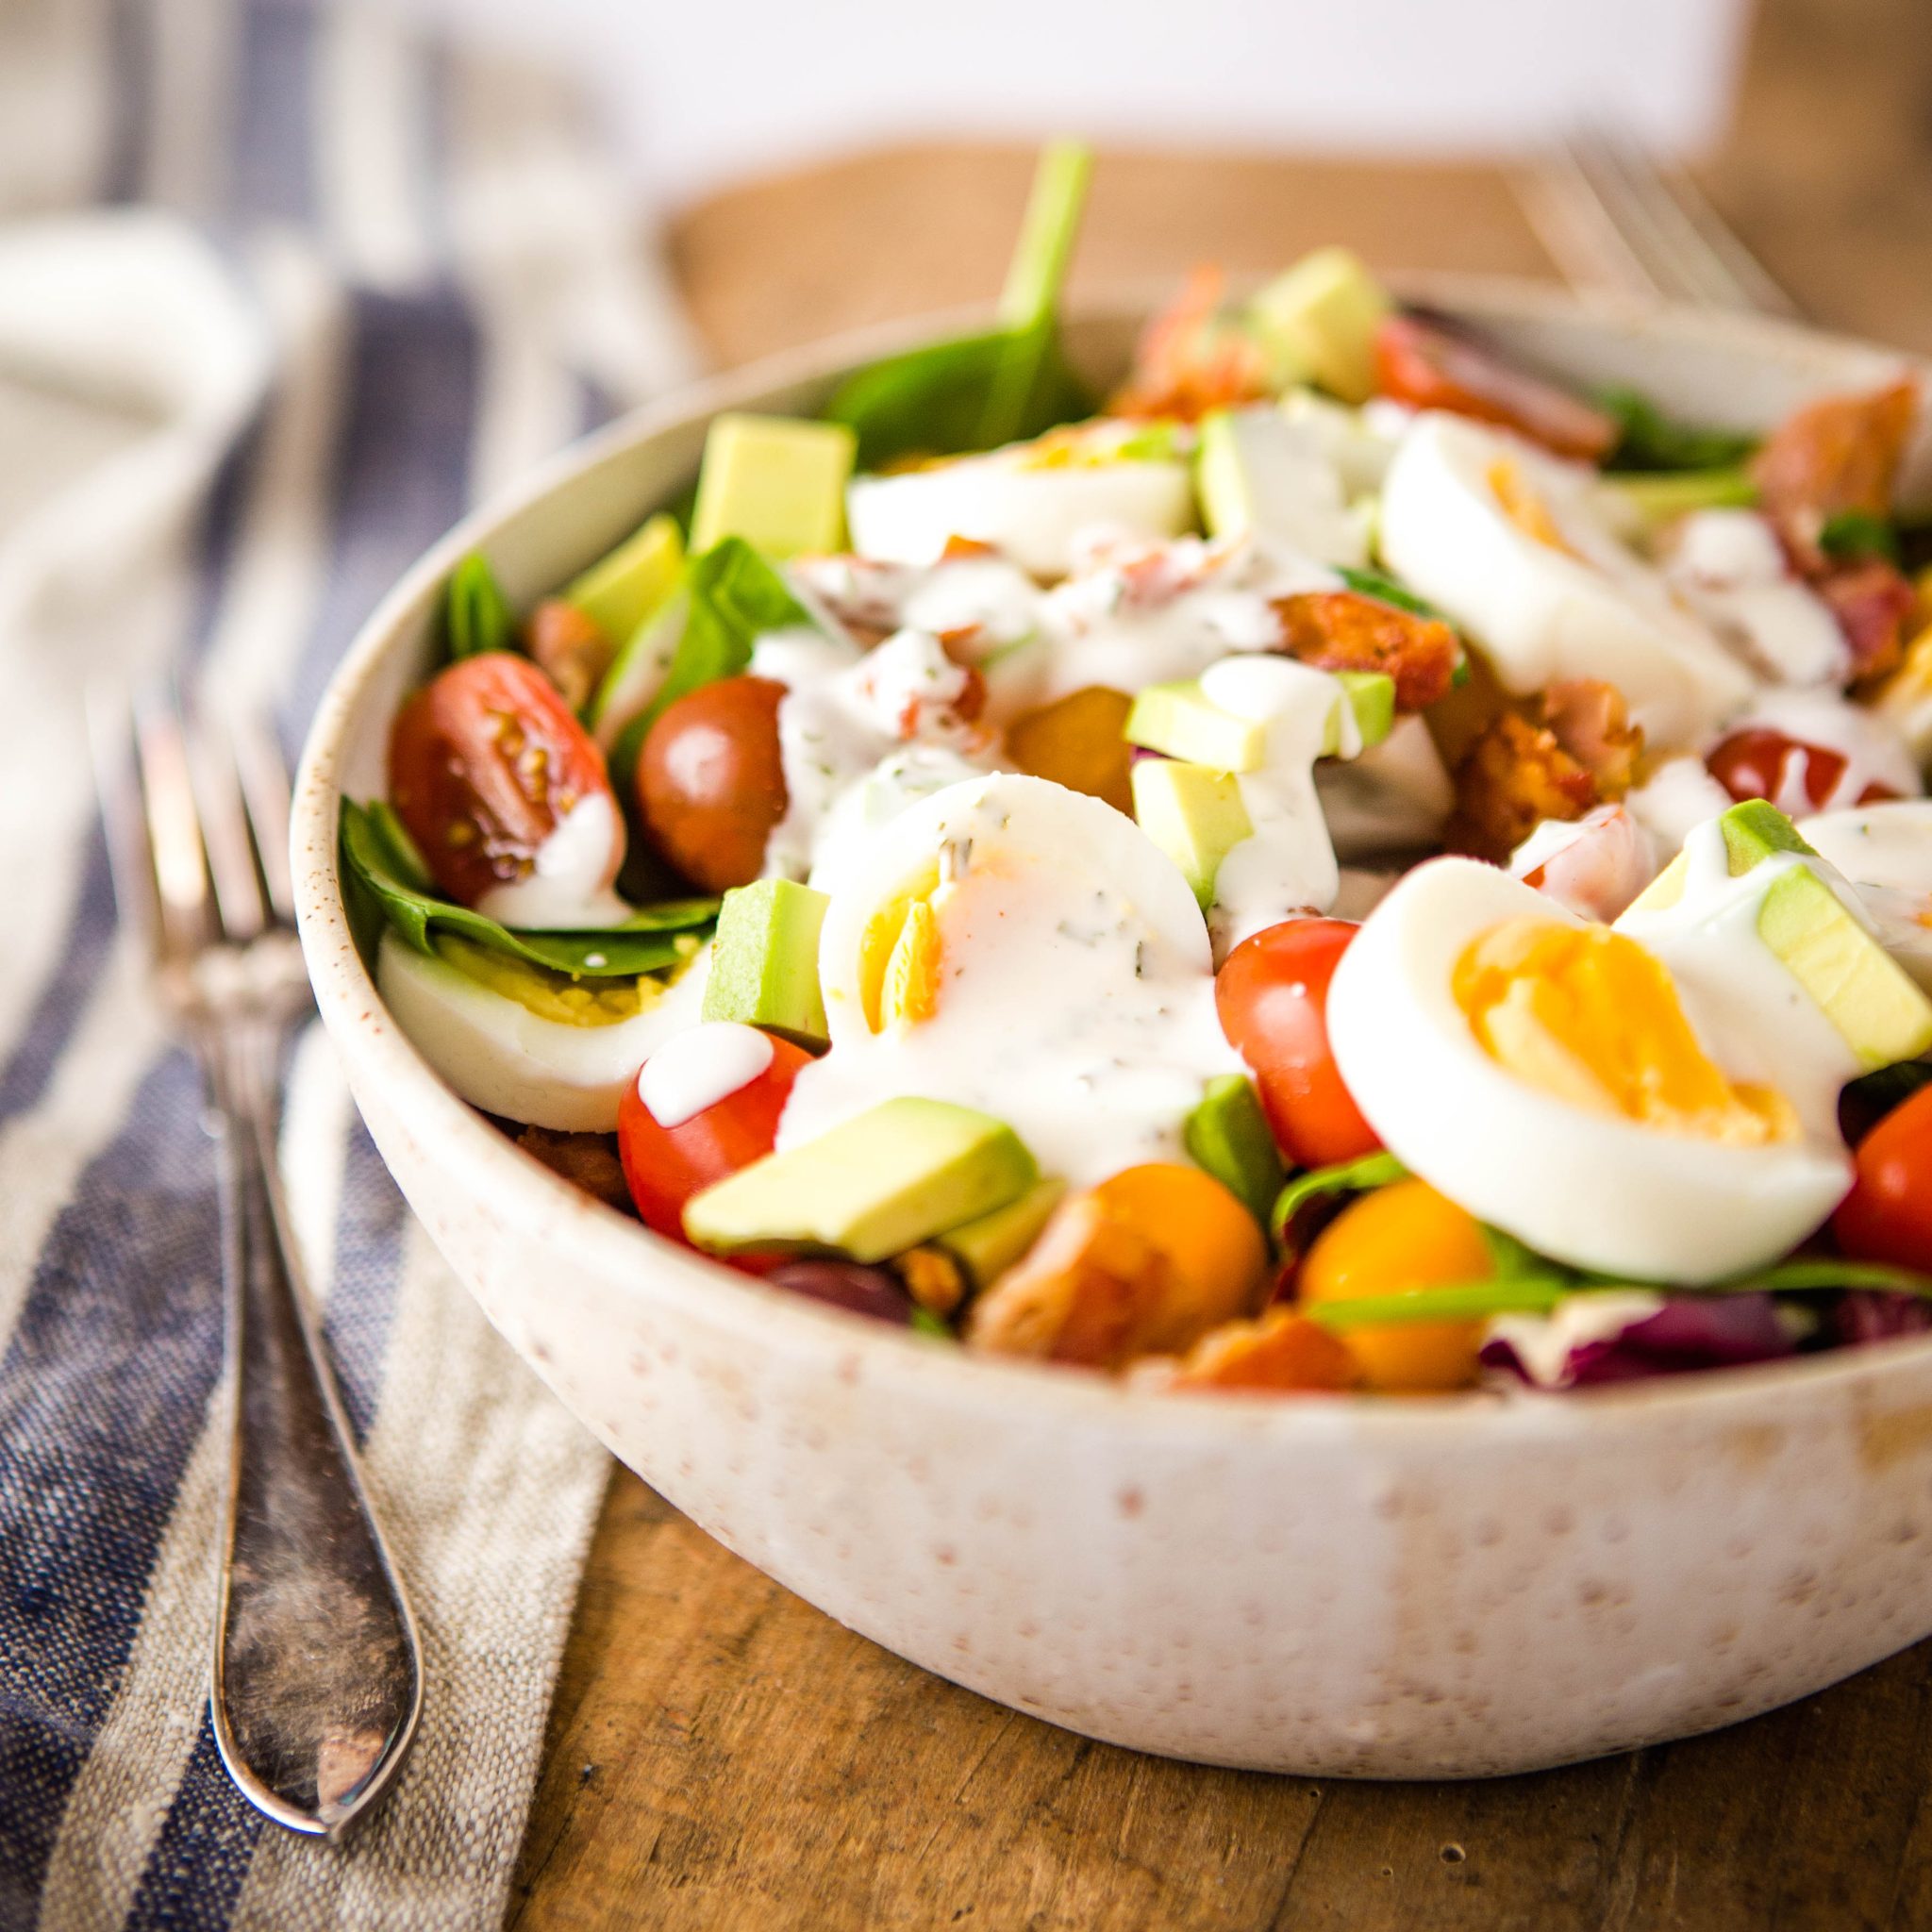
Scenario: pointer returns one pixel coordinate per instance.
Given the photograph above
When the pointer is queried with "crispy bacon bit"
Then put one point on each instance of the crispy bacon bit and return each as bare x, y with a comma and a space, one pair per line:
1873, 602
1591, 724
1431, 368
1190, 360
1515, 776
586, 1160
1839, 454
569, 648
1342, 630
1281, 1352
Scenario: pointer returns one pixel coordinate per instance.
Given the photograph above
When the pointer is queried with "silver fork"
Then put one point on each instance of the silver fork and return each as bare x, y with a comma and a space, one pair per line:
318, 1680
1611, 217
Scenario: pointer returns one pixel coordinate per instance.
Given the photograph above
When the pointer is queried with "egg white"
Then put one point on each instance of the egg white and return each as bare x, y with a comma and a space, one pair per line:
1031, 515
1585, 1188
509, 1061
1075, 995
1538, 614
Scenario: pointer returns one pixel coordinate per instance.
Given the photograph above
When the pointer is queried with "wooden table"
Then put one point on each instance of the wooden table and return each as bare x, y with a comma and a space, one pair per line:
722, 1755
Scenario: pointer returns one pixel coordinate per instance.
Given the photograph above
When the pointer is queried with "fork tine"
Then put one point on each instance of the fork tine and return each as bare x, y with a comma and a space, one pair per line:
1753, 279
241, 905
130, 859
1573, 223
1696, 269
1636, 220
174, 828
264, 776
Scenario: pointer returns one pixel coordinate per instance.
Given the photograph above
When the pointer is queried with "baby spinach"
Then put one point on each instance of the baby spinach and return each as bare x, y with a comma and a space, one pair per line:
476, 616
1853, 535
733, 596
1345, 1177
1006, 385
1649, 440
1450, 1301
383, 876
1385, 589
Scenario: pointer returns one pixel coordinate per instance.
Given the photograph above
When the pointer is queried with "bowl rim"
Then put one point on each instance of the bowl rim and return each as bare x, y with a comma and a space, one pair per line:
615, 1247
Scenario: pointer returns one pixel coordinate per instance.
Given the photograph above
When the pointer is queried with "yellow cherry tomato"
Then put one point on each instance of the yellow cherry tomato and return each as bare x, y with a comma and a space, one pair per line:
1076, 742
1210, 1237
1401, 1237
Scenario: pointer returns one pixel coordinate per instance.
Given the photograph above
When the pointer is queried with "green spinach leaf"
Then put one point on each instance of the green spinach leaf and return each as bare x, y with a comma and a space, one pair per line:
1652, 440
1344, 1177
476, 616
1853, 535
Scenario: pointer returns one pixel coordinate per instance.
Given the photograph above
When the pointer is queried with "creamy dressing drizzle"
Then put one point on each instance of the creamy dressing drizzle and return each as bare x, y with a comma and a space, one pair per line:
568, 886
1886, 852
1755, 1020
699, 1069
1873, 752
1729, 566
1543, 1345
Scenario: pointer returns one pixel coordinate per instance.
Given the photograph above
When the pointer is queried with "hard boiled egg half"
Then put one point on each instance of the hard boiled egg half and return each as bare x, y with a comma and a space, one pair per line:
530, 1045
1029, 501
1540, 1072
1513, 546
1026, 950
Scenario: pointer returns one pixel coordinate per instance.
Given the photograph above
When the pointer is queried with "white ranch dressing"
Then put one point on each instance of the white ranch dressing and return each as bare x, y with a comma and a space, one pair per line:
697, 1068
1729, 567
1754, 1018
1288, 864
1679, 795
568, 886
1873, 750
1076, 995
1543, 1345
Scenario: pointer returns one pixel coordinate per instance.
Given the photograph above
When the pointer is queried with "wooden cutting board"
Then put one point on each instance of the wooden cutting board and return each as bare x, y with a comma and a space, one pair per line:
720, 1755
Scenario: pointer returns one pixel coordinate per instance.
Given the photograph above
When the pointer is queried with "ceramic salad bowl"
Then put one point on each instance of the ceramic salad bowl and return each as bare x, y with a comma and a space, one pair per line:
1423, 1588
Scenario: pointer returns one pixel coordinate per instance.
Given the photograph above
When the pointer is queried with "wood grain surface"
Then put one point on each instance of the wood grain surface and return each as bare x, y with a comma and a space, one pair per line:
722, 1755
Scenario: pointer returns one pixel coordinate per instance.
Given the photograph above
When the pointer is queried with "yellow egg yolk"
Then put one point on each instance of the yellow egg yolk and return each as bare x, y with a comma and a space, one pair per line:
1524, 507
1588, 1015
899, 957
550, 995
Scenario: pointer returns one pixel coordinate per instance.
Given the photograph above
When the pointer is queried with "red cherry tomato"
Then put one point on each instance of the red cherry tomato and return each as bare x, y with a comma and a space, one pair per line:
1428, 368
1273, 998
1888, 1214
666, 1166
712, 782
1754, 763
483, 761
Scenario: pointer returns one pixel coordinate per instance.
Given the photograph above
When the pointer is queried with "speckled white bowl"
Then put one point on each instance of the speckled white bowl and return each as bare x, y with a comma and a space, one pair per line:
1417, 1589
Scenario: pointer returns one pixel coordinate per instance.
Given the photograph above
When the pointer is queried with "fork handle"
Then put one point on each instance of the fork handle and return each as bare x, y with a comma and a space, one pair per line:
317, 1674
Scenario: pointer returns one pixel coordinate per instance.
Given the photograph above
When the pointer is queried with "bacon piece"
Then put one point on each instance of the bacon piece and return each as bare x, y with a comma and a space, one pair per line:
1280, 1353
569, 648
1592, 724
1189, 360
586, 1160
1514, 776
1873, 602
1432, 368
1839, 454
1343, 630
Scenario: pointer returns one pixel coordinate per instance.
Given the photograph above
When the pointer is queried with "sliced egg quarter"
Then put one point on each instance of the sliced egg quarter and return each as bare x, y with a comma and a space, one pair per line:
1478, 1071
1512, 546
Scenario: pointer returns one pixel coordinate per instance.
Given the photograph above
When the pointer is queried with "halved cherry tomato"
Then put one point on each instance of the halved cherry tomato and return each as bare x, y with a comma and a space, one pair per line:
1756, 763
1428, 368
666, 1166
1888, 1214
1272, 999
711, 781
483, 761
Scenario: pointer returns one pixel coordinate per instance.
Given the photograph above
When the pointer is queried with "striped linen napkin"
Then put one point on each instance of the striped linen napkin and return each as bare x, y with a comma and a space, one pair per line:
281, 292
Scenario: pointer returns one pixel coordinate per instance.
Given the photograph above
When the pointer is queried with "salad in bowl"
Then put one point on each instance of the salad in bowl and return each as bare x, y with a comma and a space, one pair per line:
1341, 865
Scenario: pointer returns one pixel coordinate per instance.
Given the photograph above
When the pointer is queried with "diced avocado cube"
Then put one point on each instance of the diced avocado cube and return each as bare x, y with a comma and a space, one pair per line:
1228, 1136
1256, 470
900, 1173
987, 1248
1756, 829
622, 589
1183, 722
765, 960
1862, 990
1372, 697
1194, 815
776, 481
1322, 316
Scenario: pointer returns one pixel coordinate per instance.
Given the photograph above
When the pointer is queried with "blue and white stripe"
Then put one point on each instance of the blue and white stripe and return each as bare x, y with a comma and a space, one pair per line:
369, 193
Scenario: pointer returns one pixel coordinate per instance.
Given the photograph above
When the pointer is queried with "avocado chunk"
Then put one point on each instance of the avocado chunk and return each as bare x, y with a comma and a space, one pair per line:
1227, 1135
897, 1174
618, 592
1256, 471
1664, 497
765, 960
987, 1248
1878, 1009
1182, 720
1372, 697
1194, 815
1319, 317
776, 481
